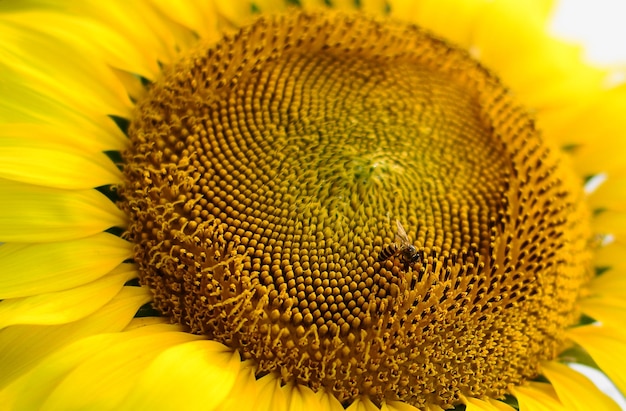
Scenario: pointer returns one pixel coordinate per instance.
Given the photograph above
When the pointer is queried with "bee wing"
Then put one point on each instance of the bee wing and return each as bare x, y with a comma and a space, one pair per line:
401, 236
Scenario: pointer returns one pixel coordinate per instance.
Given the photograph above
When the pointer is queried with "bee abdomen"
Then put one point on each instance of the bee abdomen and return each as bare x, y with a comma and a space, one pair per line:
387, 252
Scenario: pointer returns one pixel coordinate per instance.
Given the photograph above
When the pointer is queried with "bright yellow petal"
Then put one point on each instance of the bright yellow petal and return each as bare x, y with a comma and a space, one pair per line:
610, 222
328, 401
40, 214
575, 391
169, 366
53, 137
94, 360
555, 118
600, 131
199, 16
132, 83
611, 284
235, 13
104, 27
61, 70
65, 306
607, 347
54, 168
270, 395
245, 383
611, 255
141, 322
153, 36
537, 397
374, 7
21, 103
362, 404
500, 405
40, 155
544, 72
109, 45
301, 398
31, 269
611, 194
609, 311
313, 4
43, 117
348, 5
475, 404
270, 6
397, 406
22, 347
457, 27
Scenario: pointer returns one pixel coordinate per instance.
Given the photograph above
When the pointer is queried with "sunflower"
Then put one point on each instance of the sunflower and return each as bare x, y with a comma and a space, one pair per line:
391, 205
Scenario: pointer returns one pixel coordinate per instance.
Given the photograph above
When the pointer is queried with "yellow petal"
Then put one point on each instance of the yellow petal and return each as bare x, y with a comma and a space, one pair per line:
300, 398
313, 4
61, 70
30, 269
22, 347
21, 103
95, 357
169, 366
328, 401
544, 72
553, 118
235, 13
53, 137
609, 311
611, 284
202, 372
373, 7
501, 405
197, 15
132, 83
457, 27
345, 5
475, 404
40, 214
612, 255
174, 36
362, 404
60, 169
537, 397
155, 39
11, 6
107, 43
600, 129
610, 222
611, 194
245, 383
271, 397
29, 391
65, 127
65, 306
575, 391
607, 347
141, 322
397, 406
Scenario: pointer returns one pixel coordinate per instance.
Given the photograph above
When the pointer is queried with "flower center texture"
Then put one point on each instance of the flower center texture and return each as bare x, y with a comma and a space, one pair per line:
355, 204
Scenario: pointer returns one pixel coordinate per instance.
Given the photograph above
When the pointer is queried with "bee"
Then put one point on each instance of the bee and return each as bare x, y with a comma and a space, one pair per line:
402, 247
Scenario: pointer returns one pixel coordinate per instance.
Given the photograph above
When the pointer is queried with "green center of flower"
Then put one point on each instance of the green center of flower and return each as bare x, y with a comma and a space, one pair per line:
356, 205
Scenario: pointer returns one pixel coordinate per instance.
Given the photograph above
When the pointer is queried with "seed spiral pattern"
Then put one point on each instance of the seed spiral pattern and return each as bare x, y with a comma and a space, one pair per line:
265, 176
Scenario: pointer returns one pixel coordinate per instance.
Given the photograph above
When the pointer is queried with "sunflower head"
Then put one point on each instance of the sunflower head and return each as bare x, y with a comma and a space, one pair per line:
358, 205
